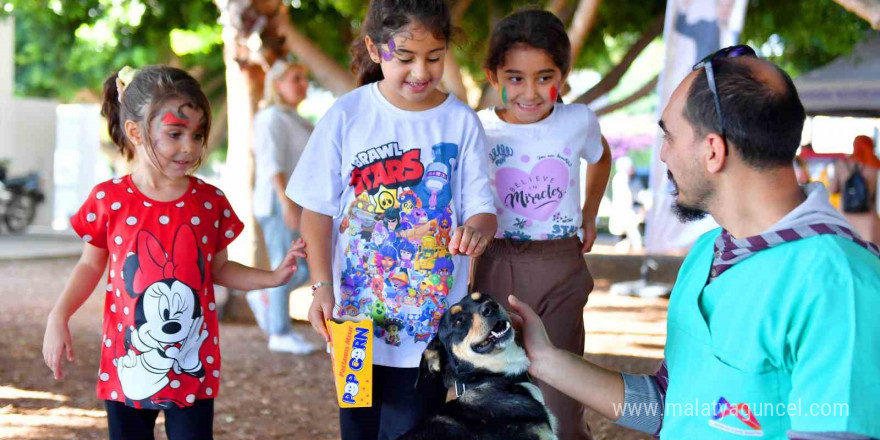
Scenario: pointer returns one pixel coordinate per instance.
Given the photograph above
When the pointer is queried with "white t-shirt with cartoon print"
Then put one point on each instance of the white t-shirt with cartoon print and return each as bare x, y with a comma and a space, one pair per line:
397, 183
535, 171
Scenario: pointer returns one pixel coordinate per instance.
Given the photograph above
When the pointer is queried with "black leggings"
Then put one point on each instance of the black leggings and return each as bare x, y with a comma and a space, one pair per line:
190, 423
398, 405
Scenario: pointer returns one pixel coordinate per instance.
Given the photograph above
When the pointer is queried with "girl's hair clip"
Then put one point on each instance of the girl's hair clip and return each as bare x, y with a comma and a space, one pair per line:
123, 79
387, 56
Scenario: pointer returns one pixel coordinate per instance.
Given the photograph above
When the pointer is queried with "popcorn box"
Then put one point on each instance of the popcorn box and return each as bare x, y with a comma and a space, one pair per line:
351, 344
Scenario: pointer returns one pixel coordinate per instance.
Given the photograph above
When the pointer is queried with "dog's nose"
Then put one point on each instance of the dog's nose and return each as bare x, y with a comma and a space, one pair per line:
171, 328
488, 308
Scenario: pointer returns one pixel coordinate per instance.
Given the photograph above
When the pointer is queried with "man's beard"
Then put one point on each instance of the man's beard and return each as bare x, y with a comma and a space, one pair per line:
684, 213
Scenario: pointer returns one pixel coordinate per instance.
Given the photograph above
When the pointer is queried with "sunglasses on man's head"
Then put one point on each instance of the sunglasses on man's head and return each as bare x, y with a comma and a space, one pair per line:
740, 50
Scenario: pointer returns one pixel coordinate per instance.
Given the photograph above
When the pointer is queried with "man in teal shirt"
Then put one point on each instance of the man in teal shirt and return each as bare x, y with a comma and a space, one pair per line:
772, 328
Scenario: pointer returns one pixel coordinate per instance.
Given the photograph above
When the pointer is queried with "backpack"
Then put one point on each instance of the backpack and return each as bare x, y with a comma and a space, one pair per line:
855, 193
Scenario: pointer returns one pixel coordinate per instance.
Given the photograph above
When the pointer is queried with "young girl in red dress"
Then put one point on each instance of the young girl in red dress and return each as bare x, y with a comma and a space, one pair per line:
164, 234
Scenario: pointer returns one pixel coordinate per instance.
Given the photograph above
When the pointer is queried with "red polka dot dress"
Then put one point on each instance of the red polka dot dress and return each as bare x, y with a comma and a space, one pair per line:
160, 333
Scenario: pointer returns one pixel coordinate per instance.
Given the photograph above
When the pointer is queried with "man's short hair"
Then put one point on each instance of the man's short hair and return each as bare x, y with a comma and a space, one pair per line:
763, 123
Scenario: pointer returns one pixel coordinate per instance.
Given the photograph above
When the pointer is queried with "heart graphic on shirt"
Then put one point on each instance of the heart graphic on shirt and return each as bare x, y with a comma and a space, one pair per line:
535, 195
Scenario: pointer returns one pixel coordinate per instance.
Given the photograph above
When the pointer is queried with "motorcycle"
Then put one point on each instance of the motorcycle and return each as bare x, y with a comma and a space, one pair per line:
19, 198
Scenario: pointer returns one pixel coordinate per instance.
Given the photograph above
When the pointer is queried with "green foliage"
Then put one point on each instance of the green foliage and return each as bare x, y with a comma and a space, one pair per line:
71, 46
811, 32
75, 45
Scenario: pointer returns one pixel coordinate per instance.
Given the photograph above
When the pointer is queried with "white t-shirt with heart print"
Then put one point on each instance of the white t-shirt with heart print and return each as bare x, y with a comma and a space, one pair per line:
535, 171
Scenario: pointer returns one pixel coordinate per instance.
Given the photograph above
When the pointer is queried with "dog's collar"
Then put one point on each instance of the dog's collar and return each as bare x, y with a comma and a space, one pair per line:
461, 385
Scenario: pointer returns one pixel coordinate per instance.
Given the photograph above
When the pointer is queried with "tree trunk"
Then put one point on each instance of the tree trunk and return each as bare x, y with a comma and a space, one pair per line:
238, 174
581, 24
612, 78
452, 78
244, 86
866, 9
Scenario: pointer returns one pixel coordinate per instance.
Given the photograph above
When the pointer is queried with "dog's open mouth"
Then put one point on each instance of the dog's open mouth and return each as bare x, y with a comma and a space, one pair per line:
500, 334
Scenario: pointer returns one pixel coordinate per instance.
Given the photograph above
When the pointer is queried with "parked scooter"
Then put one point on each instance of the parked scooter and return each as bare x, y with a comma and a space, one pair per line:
19, 197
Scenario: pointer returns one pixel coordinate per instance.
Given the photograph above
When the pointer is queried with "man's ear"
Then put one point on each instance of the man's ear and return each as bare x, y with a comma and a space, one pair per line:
716, 151
133, 132
372, 49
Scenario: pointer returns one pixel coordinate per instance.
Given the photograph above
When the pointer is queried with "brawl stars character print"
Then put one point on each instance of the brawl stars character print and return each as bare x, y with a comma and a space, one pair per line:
169, 325
398, 269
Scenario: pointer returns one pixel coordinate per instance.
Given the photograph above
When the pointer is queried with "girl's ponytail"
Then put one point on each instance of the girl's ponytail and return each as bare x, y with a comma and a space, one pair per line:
111, 110
362, 66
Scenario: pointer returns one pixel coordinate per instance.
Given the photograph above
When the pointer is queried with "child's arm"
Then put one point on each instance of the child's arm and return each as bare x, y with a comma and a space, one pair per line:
474, 236
240, 277
317, 229
597, 180
86, 275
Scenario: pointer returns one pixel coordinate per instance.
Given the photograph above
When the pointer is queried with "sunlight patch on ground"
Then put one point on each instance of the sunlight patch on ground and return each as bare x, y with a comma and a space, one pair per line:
34, 423
12, 393
625, 326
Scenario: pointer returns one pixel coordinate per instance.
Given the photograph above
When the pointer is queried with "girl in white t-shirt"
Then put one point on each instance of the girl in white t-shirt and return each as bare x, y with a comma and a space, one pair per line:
395, 196
535, 147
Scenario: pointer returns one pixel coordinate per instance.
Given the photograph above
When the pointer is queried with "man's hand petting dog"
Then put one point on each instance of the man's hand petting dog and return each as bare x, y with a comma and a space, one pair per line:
475, 353
534, 335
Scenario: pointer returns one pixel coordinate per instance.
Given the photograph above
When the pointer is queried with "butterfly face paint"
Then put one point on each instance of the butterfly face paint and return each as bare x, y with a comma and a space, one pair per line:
553, 94
504, 95
387, 56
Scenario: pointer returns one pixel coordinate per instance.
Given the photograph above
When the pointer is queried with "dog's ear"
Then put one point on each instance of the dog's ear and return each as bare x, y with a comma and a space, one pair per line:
432, 360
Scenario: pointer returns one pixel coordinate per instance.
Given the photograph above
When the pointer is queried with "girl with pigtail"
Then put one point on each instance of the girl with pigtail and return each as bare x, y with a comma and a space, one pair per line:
164, 235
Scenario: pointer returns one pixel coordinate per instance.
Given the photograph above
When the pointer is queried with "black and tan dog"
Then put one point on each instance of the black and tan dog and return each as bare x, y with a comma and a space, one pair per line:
474, 350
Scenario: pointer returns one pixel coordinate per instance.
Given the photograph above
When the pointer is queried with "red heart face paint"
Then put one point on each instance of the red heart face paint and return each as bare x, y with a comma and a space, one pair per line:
171, 119
553, 94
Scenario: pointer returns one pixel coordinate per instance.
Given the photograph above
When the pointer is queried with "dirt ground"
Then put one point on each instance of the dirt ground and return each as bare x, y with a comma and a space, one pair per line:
264, 395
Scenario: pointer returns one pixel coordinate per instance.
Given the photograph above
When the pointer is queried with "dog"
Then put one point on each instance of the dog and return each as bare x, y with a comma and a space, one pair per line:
475, 352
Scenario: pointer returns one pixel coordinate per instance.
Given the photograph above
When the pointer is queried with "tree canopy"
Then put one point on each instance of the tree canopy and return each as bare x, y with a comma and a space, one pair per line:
65, 50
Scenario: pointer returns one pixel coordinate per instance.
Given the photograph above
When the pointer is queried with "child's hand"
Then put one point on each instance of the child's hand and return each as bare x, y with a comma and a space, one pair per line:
589, 234
56, 344
321, 310
284, 272
468, 240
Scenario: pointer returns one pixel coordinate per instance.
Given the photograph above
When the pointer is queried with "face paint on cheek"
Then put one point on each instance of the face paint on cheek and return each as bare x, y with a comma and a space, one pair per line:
553, 94
171, 119
504, 95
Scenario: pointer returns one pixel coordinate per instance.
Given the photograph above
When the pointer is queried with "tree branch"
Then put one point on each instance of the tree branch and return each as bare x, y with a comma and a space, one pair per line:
458, 10
649, 87
612, 78
866, 9
583, 20
556, 6
325, 70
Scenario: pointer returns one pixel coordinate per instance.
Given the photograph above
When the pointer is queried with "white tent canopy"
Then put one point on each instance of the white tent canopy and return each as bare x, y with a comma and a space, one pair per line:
848, 86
